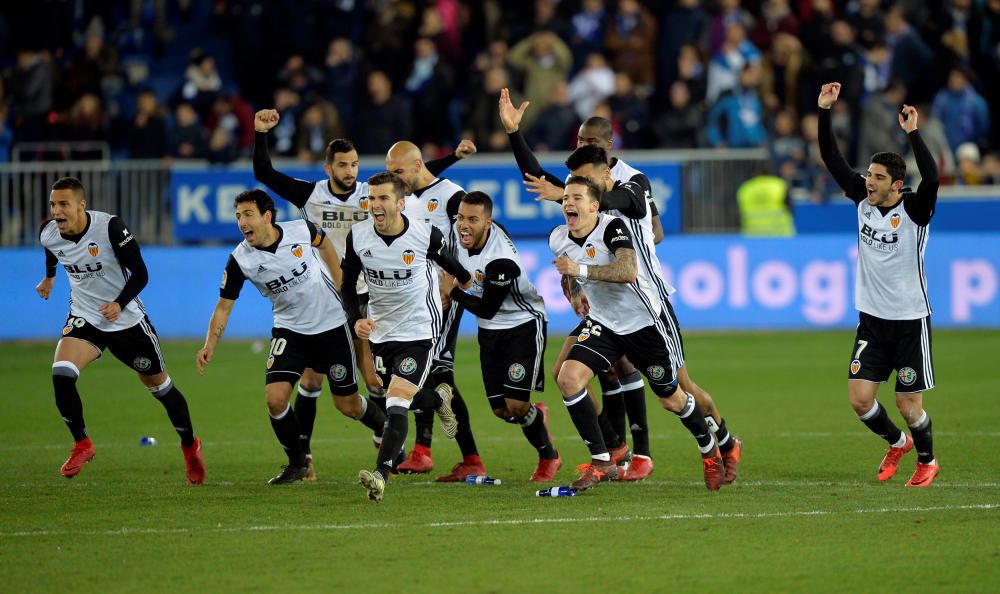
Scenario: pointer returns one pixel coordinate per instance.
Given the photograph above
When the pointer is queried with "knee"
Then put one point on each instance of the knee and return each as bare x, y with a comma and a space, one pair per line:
277, 403
569, 383
349, 406
909, 407
861, 402
517, 408
673, 400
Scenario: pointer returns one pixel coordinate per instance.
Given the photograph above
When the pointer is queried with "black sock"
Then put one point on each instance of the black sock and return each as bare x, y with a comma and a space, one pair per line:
584, 415
533, 427
877, 419
922, 439
612, 438
635, 406
305, 412
726, 441
614, 410
177, 410
286, 428
694, 419
393, 437
466, 442
373, 417
68, 402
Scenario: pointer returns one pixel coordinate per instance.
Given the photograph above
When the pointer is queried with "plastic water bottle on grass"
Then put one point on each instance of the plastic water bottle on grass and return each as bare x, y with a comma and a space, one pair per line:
481, 479
557, 492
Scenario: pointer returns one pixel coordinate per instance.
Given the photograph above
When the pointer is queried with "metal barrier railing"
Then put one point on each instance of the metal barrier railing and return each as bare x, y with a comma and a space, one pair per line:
138, 191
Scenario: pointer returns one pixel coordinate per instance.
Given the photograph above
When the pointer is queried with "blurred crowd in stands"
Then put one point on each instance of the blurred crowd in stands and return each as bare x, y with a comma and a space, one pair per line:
181, 78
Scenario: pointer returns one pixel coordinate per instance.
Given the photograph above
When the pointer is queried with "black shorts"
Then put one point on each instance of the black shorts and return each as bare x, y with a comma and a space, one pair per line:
674, 337
409, 360
444, 350
598, 348
330, 353
138, 346
881, 346
512, 360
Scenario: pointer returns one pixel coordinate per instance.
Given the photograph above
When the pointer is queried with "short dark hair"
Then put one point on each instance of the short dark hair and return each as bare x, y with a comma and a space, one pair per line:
338, 145
259, 197
399, 187
893, 163
587, 155
593, 192
480, 198
69, 183
602, 125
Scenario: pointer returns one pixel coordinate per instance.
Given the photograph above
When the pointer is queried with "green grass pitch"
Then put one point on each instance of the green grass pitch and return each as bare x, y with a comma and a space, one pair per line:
805, 515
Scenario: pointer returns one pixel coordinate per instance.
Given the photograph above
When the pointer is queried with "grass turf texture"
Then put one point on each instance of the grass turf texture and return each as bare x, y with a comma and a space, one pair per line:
805, 514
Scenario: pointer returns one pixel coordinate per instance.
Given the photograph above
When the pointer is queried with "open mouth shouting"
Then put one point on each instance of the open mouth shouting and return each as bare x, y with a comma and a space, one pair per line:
61, 223
571, 214
248, 233
379, 216
465, 236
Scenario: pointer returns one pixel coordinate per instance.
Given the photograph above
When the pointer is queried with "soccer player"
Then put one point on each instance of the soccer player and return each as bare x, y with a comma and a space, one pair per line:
310, 327
106, 273
512, 324
435, 201
894, 329
596, 250
623, 390
395, 253
333, 204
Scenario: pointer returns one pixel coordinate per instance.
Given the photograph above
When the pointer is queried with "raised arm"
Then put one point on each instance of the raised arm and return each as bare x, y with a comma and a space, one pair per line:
510, 117
920, 204
296, 191
849, 180
465, 149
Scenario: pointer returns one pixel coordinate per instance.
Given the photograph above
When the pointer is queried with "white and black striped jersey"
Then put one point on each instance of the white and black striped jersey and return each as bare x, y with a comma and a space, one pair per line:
645, 249
402, 282
501, 295
290, 274
621, 307
335, 214
96, 273
436, 204
891, 283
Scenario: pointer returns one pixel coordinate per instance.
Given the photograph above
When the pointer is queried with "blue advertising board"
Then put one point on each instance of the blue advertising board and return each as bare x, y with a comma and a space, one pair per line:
724, 282
202, 199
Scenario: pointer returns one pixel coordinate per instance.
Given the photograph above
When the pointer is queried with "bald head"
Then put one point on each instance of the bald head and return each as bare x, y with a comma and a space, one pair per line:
595, 131
404, 159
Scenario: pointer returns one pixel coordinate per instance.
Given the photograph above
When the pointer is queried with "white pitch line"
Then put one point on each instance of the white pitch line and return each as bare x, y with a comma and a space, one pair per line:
502, 522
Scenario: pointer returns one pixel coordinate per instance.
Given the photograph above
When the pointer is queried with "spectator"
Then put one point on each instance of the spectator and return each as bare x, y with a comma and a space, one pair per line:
188, 138
430, 87
201, 82
441, 25
222, 146
318, 125
691, 71
877, 67
742, 113
544, 60
868, 21
591, 85
685, 23
94, 69
235, 115
775, 17
910, 53
680, 126
815, 28
631, 40
341, 79
87, 122
962, 110
879, 129
843, 63
384, 118
147, 137
781, 73
32, 87
933, 134
729, 13
289, 106
587, 27
482, 123
731, 59
300, 76
631, 112
969, 173
556, 126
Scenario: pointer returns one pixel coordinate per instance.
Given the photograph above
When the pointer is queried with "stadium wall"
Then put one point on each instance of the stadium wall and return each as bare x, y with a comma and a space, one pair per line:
724, 282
